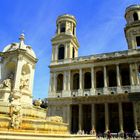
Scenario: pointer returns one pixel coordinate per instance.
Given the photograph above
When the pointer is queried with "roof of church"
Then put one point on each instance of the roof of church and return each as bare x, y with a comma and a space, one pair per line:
20, 45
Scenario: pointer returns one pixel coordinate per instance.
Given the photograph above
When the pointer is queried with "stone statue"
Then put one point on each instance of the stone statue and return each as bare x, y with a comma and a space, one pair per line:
16, 118
24, 81
7, 83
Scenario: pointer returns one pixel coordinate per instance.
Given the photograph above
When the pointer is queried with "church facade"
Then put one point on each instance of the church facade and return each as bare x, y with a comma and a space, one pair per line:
99, 91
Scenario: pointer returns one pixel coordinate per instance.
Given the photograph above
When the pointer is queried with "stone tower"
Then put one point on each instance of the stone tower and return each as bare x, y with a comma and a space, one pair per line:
132, 29
64, 43
17, 73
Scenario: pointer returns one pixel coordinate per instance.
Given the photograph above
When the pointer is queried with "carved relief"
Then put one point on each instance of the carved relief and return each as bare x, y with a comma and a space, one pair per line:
7, 83
16, 118
24, 81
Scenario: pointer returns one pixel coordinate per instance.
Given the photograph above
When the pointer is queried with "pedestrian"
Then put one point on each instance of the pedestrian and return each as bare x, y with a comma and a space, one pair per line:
108, 135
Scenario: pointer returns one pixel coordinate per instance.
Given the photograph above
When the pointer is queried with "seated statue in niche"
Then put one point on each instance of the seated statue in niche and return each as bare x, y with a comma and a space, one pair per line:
24, 81
7, 83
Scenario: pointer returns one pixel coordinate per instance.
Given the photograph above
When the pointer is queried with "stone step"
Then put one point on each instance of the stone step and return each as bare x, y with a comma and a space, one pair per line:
35, 136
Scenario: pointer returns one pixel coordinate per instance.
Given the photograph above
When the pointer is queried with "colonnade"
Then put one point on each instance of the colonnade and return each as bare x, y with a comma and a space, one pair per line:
68, 78
106, 115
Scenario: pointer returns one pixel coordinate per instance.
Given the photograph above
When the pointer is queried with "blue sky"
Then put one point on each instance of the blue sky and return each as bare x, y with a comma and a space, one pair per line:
100, 26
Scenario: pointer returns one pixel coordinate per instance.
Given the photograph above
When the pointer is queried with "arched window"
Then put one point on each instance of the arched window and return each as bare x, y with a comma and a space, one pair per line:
87, 80
76, 81
60, 82
61, 52
99, 79
62, 27
135, 16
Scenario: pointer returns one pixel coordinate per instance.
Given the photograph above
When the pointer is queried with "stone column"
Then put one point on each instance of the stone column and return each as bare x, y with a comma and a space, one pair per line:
105, 81
106, 117
66, 48
120, 117
118, 76
93, 116
56, 53
54, 82
69, 116
81, 80
80, 117
105, 77
50, 83
18, 73
137, 74
69, 80
58, 28
92, 78
75, 30
64, 80
135, 117
131, 74
53, 55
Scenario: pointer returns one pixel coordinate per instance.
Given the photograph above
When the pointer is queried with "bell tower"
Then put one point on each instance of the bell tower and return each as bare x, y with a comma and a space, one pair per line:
132, 29
64, 43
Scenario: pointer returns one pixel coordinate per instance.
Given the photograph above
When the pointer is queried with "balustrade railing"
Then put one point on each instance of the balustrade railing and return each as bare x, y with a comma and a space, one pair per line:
59, 93
126, 89
87, 92
99, 91
112, 90
74, 93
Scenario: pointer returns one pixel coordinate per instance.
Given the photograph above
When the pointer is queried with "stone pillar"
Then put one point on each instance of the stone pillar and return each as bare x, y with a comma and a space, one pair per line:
66, 48
18, 73
81, 80
105, 77
69, 116
64, 80
75, 30
92, 78
80, 117
120, 117
118, 76
106, 117
58, 28
54, 82
53, 53
137, 74
56, 53
50, 83
131, 74
135, 117
69, 80
93, 116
